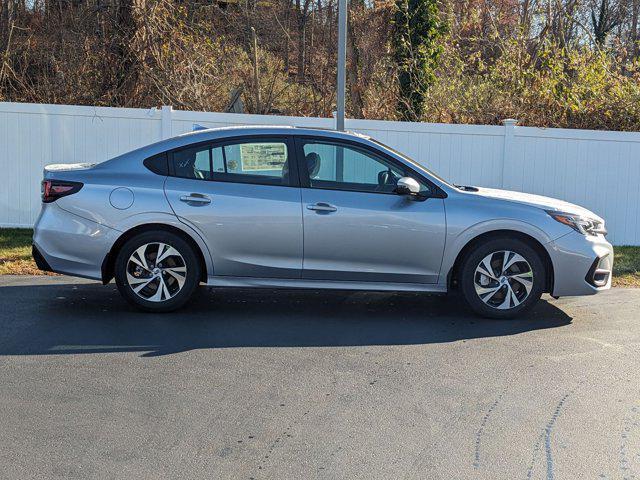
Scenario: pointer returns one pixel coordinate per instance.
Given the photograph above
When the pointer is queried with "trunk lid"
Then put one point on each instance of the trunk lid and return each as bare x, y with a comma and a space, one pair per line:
54, 170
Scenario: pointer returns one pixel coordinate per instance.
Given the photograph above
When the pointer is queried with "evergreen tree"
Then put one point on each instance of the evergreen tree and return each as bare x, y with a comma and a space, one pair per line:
417, 47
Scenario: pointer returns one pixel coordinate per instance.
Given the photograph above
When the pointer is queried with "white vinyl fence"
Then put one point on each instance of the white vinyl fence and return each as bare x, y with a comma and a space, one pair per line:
597, 169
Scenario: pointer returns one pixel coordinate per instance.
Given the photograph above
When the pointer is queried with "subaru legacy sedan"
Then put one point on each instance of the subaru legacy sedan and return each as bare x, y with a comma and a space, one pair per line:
285, 207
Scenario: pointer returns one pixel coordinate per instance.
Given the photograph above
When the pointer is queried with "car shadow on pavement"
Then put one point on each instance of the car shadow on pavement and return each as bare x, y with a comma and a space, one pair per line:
67, 318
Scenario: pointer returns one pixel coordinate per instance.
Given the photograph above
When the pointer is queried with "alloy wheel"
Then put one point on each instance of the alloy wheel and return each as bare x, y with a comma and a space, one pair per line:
503, 279
156, 272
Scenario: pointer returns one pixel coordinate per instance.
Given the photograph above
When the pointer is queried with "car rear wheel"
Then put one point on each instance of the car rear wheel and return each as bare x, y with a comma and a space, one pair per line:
502, 278
157, 271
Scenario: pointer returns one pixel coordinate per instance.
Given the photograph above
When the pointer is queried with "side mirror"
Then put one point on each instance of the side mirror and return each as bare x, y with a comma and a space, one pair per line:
407, 186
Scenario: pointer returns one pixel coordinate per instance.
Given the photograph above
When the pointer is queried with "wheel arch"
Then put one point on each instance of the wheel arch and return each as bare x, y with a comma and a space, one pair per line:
108, 264
452, 275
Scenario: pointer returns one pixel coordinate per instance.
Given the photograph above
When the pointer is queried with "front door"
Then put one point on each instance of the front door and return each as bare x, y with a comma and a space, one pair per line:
356, 227
244, 200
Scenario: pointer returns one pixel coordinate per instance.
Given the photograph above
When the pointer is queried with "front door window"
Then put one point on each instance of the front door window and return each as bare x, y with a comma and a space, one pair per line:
340, 167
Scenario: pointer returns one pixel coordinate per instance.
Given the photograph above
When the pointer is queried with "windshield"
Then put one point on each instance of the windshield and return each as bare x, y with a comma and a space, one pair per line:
412, 162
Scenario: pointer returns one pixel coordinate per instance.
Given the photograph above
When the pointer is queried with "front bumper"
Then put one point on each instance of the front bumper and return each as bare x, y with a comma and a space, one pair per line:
66, 243
582, 265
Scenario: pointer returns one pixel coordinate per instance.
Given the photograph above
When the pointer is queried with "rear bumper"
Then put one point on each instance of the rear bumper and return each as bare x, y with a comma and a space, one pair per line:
41, 262
582, 265
69, 244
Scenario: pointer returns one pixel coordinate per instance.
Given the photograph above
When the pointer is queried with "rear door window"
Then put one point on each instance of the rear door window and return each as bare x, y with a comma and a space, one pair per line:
255, 161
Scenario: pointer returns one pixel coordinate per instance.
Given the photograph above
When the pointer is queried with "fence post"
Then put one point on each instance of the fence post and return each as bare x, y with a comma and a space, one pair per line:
508, 146
165, 121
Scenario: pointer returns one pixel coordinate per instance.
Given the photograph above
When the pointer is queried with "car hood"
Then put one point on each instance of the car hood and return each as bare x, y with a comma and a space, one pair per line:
539, 201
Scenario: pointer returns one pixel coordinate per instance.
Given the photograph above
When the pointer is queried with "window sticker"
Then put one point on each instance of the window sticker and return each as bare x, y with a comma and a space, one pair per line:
263, 156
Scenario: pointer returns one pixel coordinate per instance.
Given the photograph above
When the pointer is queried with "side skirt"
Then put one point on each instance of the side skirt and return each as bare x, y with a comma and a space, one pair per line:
250, 282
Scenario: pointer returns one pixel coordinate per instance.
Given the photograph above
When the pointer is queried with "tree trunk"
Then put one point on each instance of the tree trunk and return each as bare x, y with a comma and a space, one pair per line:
287, 44
634, 26
303, 17
302, 40
4, 24
353, 66
126, 71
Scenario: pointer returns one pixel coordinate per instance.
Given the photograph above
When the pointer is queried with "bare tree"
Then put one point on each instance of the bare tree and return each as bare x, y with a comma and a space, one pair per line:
302, 13
605, 16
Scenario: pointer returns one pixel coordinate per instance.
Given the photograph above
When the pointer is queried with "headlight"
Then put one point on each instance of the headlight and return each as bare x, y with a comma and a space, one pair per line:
583, 225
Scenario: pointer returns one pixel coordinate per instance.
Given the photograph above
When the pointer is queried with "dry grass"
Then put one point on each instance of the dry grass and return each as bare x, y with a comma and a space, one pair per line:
15, 252
15, 258
626, 267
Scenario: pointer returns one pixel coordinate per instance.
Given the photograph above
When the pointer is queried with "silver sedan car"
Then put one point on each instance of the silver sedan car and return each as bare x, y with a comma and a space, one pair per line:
283, 207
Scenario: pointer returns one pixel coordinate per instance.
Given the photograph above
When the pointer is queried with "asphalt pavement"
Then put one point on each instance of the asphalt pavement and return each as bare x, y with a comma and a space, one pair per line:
292, 384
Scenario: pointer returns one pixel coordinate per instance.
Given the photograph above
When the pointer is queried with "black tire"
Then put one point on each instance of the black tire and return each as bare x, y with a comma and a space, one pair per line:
468, 273
191, 278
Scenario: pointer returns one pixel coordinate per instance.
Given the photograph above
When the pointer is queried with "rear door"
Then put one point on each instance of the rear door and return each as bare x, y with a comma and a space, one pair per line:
242, 195
356, 227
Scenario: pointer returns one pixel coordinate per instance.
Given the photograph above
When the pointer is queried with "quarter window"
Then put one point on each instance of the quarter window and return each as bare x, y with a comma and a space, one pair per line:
158, 164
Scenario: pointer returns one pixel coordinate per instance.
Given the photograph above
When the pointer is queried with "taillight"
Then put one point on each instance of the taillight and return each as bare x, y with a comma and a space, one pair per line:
54, 189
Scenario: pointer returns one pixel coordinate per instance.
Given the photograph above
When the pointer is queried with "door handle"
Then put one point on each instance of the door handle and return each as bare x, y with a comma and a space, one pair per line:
197, 198
322, 207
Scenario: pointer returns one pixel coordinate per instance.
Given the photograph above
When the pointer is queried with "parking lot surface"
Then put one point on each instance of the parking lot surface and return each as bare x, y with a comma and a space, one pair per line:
285, 384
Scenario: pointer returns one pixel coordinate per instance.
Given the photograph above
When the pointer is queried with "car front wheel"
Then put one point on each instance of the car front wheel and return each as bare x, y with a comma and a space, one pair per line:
157, 271
502, 278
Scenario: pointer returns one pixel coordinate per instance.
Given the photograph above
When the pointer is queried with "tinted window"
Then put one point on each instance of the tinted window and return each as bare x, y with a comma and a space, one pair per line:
341, 167
193, 162
265, 162
158, 164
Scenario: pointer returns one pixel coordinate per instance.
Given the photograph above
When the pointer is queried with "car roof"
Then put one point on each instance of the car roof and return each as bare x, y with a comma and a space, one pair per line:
206, 133
219, 133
